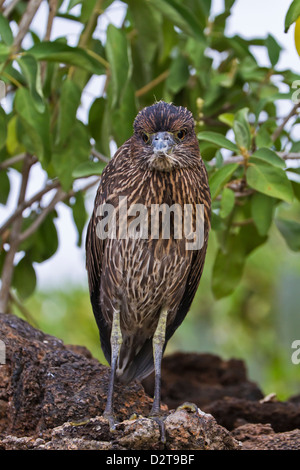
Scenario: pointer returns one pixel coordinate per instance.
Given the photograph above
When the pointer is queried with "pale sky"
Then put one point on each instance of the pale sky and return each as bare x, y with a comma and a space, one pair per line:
255, 18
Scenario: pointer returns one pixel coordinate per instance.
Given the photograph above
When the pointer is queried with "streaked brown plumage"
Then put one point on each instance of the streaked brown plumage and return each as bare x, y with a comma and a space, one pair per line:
141, 289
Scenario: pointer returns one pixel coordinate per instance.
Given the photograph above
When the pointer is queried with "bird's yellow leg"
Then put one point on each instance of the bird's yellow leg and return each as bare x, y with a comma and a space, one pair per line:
116, 342
158, 347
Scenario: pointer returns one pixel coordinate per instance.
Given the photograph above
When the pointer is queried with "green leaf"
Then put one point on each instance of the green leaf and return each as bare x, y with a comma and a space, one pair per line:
79, 215
5, 31
217, 224
228, 267
296, 189
118, 55
180, 16
270, 180
227, 118
273, 49
218, 139
73, 3
13, 145
68, 105
36, 124
4, 52
31, 72
100, 117
62, 53
148, 22
241, 129
24, 279
4, 187
43, 243
290, 230
179, 75
292, 15
227, 202
269, 156
71, 154
3, 128
250, 238
96, 115
229, 4
220, 178
88, 168
262, 209
123, 117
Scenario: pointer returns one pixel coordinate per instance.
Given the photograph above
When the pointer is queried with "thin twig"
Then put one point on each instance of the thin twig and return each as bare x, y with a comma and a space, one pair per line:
293, 112
41, 217
242, 222
51, 15
25, 22
88, 32
240, 158
289, 156
26, 314
142, 91
10, 7
36, 197
11, 161
8, 267
99, 155
60, 196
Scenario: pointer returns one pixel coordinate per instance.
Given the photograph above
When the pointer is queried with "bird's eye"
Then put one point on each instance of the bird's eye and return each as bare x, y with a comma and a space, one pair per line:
181, 134
145, 138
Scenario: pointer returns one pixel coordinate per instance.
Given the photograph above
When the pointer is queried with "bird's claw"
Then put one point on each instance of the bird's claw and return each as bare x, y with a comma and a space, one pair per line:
111, 421
160, 421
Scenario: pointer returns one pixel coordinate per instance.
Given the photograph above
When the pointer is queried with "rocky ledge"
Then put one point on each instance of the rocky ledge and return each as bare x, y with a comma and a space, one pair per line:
52, 396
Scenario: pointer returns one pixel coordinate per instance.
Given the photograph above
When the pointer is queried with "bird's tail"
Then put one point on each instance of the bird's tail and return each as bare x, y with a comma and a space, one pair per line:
135, 359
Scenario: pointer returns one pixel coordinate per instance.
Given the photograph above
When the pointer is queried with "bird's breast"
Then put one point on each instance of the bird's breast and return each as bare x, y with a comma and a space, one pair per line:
147, 256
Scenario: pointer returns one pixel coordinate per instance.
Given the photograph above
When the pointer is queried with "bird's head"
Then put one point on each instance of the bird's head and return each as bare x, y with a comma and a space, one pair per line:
164, 137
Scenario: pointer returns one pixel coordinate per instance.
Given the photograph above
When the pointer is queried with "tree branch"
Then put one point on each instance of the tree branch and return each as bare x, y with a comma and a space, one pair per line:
51, 15
60, 196
11, 161
41, 217
9, 7
240, 158
25, 204
25, 22
142, 91
99, 155
8, 267
293, 112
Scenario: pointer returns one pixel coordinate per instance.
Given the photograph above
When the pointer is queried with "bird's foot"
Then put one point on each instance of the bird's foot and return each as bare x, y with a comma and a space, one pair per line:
160, 421
188, 406
111, 420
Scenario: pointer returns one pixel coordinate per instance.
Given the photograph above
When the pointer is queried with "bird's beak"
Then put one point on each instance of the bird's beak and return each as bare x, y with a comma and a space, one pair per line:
162, 142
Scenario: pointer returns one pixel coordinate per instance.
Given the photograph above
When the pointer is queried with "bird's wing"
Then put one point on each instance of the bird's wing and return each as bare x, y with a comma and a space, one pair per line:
94, 259
196, 268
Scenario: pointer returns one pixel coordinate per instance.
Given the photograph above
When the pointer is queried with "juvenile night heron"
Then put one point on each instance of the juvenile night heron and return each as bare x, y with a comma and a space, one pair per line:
142, 284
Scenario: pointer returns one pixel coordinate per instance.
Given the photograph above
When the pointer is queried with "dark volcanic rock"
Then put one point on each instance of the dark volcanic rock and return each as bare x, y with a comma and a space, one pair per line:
282, 416
263, 437
202, 379
44, 383
52, 397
